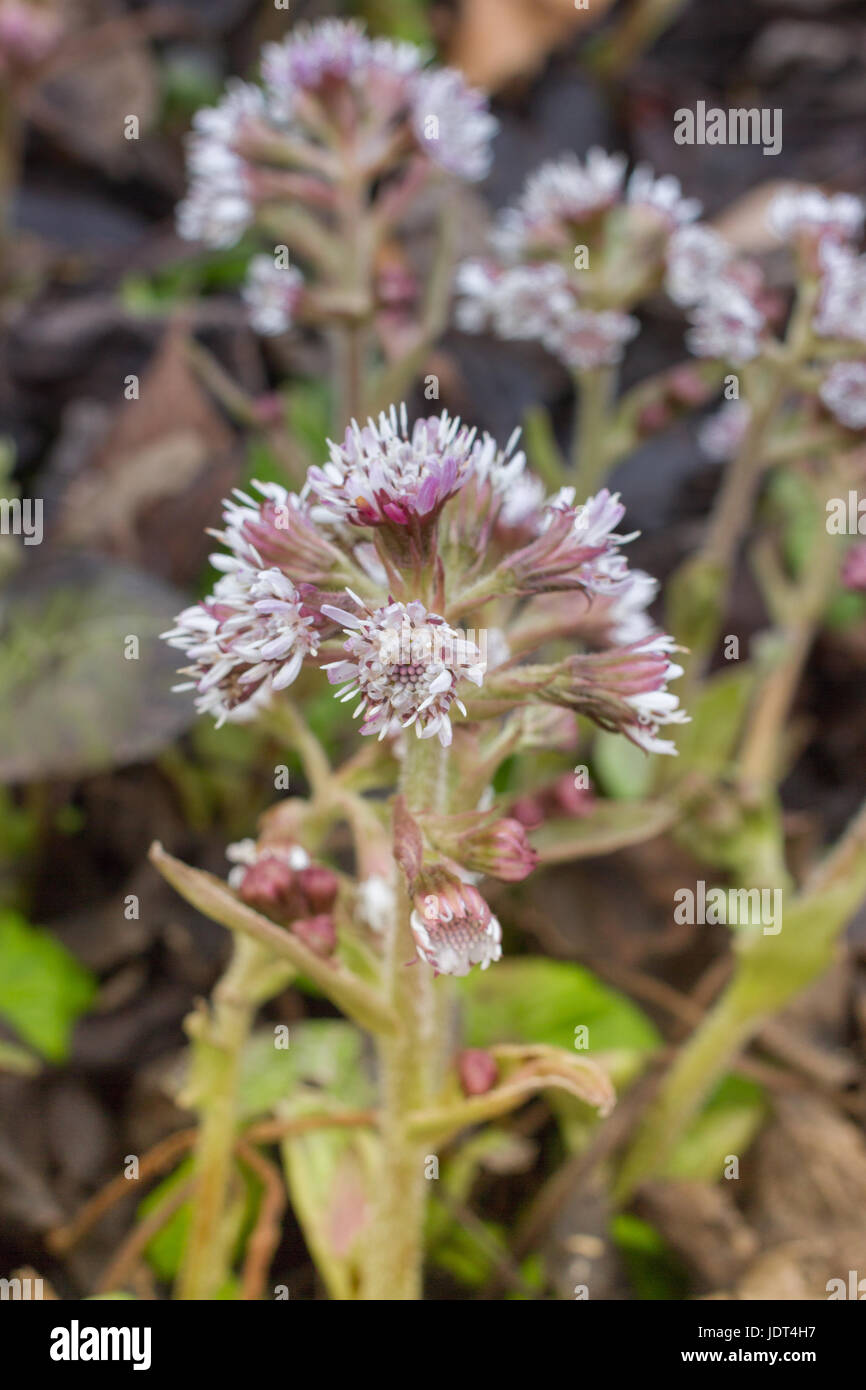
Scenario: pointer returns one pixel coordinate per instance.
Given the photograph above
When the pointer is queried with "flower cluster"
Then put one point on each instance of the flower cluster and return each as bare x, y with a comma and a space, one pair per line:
533, 285
279, 879
338, 114
404, 664
247, 641
321, 578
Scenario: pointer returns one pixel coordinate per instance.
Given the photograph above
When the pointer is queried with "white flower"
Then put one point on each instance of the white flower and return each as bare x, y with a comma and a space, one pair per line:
593, 530
721, 434
376, 902
244, 854
452, 123
383, 473
658, 707
583, 339
808, 211
404, 663
272, 294
841, 311
217, 208
455, 930
663, 196
309, 56
517, 302
726, 324
247, 641
696, 255
627, 613
843, 391
558, 196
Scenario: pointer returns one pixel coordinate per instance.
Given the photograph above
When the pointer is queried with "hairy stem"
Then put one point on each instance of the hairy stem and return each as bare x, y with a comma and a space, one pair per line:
219, 1039
408, 1070
590, 460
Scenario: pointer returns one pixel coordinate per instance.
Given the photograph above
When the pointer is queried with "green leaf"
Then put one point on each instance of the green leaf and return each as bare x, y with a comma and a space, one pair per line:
543, 1001
621, 770
43, 989
727, 1125
165, 1251
74, 697
328, 1170
610, 826
708, 743
268, 1074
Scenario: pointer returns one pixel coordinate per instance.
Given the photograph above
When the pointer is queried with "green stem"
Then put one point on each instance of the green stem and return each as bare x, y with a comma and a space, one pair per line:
219, 1040
589, 454
408, 1070
698, 1067
768, 721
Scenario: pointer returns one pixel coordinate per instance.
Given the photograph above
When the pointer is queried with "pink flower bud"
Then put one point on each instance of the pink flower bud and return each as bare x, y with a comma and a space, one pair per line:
318, 933
319, 886
477, 1070
570, 799
453, 927
529, 810
503, 851
269, 887
854, 568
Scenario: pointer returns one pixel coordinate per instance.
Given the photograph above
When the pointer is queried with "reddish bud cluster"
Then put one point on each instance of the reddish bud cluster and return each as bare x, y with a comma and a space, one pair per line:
302, 899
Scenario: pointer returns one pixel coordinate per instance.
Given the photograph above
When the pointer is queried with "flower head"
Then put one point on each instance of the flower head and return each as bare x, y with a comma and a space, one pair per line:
809, 213
248, 640
575, 547
727, 323
452, 123
272, 294
405, 664
218, 207
517, 302
453, 926
843, 391
584, 339
841, 311
663, 197
28, 34
312, 59
722, 433
275, 532
625, 690
696, 255
382, 473
557, 197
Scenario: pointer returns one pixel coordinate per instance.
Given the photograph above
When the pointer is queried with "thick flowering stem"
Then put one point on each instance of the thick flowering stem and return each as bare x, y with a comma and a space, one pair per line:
408, 1065
219, 1037
594, 391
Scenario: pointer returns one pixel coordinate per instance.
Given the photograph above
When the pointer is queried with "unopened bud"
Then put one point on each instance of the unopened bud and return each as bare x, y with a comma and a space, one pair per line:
477, 1070
269, 886
318, 933
319, 886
